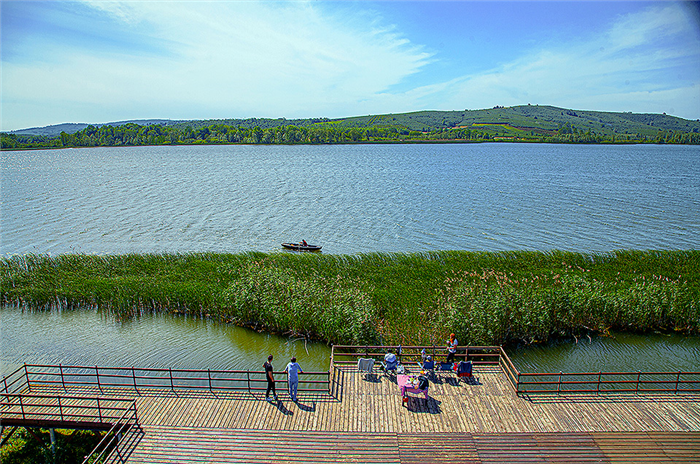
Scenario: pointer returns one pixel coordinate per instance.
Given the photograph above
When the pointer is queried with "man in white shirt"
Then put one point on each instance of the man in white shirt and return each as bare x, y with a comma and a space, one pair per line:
292, 370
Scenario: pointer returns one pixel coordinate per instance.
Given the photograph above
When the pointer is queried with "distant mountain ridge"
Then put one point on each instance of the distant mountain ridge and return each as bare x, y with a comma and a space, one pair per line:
534, 118
73, 127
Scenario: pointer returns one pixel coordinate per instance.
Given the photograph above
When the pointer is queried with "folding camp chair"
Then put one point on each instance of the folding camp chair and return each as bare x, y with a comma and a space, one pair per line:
365, 365
464, 369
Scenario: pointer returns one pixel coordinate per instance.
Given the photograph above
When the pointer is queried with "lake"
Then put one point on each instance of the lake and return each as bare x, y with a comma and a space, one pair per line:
351, 198
348, 198
89, 338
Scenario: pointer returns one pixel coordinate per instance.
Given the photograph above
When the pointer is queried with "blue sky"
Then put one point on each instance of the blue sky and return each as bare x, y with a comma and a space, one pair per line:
98, 61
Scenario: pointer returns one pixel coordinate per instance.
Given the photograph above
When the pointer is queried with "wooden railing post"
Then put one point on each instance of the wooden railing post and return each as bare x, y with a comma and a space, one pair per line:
639, 376
598, 387
678, 380
559, 384
97, 375
248, 375
133, 377
21, 407
63, 381
209, 376
99, 410
26, 376
172, 385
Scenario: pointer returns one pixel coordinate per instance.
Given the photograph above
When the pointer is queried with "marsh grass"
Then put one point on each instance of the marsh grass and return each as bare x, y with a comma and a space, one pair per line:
392, 298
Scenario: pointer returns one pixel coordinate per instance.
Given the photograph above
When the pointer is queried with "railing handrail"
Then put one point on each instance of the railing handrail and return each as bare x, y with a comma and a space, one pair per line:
521, 380
213, 380
603, 382
114, 433
91, 408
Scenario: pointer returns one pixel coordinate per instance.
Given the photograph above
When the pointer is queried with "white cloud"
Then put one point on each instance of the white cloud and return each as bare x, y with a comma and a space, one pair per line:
647, 62
222, 59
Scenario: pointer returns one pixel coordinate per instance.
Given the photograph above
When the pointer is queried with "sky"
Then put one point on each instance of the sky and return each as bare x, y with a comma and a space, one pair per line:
100, 61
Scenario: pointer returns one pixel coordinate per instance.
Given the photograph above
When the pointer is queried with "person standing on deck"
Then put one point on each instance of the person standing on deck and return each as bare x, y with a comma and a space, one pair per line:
451, 348
270, 379
292, 370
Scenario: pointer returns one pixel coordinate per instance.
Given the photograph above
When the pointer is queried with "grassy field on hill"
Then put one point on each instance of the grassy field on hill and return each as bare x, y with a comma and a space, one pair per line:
514, 124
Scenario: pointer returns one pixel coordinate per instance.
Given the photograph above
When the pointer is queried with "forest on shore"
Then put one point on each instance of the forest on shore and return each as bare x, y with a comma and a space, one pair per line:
529, 123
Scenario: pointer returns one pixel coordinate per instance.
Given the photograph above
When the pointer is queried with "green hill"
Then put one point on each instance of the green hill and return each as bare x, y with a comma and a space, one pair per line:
529, 118
518, 123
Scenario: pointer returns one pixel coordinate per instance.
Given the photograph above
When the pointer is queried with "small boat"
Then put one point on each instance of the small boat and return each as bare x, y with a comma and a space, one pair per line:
301, 247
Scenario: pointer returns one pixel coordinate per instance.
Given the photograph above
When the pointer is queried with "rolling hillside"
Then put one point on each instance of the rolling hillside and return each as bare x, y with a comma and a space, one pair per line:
499, 121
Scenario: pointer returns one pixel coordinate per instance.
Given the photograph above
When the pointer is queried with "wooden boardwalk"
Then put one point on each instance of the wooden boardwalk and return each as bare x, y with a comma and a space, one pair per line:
365, 420
488, 405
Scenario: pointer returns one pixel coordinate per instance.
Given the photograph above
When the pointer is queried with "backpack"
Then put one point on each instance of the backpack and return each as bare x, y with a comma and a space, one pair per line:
422, 382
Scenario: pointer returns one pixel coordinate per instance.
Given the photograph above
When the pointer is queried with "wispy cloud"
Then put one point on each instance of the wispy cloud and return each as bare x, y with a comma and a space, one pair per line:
96, 61
646, 62
220, 59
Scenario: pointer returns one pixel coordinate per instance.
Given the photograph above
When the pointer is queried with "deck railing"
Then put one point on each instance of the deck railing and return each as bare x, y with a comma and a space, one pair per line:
535, 383
67, 410
139, 378
113, 440
608, 382
348, 354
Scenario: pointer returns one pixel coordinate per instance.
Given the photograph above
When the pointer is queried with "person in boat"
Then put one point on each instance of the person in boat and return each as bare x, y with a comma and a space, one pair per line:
303, 242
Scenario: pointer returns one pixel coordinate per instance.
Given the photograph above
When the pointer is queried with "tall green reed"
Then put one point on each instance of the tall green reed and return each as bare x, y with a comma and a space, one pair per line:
485, 298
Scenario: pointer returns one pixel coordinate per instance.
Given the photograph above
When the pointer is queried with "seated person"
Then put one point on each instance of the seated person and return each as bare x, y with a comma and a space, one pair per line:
390, 362
428, 366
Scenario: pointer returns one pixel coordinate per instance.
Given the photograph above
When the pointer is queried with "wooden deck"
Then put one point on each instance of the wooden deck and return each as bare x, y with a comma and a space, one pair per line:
365, 420
157, 444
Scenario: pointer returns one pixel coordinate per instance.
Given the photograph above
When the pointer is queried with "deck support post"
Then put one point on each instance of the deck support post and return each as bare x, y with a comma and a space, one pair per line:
52, 434
9, 434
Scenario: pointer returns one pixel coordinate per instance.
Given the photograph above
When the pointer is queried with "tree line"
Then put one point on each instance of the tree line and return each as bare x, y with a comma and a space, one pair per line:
327, 133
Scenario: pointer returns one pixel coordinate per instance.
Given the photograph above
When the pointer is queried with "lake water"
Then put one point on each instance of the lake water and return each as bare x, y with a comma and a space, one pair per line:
351, 198
348, 198
89, 338
93, 338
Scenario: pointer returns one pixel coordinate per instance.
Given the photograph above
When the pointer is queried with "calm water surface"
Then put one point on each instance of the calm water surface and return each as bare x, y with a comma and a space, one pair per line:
348, 198
88, 338
351, 198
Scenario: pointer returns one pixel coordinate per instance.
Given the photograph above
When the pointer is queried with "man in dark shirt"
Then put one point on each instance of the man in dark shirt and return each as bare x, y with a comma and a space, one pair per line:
270, 379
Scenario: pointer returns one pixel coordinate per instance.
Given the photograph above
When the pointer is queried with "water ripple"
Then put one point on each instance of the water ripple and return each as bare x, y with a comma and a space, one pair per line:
351, 198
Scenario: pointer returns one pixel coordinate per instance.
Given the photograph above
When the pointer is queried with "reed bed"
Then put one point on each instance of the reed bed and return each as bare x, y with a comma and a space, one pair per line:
484, 298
